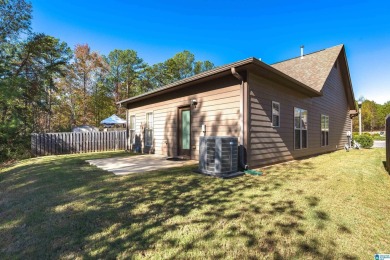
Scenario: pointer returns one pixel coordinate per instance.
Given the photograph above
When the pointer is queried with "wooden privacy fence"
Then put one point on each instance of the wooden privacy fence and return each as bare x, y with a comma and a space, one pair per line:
68, 143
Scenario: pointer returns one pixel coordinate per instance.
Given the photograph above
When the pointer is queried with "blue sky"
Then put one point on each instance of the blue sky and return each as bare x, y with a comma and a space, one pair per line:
227, 31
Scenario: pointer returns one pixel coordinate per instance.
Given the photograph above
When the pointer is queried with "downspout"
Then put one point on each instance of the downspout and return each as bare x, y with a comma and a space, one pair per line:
242, 162
128, 148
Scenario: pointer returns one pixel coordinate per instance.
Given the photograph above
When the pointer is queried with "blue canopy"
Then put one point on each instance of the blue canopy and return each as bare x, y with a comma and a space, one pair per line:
112, 120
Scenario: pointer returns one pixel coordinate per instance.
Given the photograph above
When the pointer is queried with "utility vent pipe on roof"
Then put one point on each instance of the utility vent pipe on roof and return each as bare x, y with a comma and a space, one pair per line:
302, 51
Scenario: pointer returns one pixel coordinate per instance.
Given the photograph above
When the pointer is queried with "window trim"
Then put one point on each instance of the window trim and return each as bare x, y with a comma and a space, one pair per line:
300, 128
132, 130
272, 111
326, 129
148, 128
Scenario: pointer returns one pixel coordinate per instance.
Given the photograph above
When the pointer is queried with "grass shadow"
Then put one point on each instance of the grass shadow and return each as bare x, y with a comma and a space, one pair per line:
62, 207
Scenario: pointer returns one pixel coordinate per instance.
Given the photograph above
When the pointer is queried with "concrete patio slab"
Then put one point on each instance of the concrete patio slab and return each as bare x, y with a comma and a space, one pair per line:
137, 164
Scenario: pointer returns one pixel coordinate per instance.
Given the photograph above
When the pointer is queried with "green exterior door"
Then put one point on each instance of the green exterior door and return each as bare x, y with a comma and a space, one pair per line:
184, 132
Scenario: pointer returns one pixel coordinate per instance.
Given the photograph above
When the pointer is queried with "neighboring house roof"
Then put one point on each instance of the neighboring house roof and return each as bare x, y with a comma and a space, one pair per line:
84, 129
308, 75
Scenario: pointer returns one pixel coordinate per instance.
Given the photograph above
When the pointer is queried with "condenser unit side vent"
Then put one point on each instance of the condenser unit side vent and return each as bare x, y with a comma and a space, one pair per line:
218, 155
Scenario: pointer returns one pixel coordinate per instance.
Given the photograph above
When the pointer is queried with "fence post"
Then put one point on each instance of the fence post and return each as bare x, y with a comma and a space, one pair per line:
388, 143
39, 144
116, 141
46, 146
33, 144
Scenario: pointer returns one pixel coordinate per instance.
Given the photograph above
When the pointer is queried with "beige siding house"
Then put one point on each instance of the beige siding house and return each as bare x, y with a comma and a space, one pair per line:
288, 110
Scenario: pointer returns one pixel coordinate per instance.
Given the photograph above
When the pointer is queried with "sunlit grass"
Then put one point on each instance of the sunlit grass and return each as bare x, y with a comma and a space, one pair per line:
331, 206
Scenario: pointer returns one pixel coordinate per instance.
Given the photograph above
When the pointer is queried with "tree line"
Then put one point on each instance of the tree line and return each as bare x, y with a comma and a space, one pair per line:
373, 116
46, 86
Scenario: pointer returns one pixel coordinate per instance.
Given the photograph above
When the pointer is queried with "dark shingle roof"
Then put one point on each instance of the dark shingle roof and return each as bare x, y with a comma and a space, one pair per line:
313, 69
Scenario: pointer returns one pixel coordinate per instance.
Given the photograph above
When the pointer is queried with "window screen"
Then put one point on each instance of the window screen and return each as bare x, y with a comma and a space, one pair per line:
149, 129
300, 128
324, 130
275, 114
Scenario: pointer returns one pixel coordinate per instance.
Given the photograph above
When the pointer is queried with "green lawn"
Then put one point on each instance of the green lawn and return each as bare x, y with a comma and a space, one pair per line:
332, 206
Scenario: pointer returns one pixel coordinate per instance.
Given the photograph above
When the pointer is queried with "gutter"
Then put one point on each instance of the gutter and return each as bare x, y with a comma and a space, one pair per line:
170, 87
242, 162
220, 71
353, 113
265, 66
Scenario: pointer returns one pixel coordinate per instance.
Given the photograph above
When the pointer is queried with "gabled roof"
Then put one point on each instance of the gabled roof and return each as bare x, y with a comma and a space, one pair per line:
313, 69
223, 71
307, 75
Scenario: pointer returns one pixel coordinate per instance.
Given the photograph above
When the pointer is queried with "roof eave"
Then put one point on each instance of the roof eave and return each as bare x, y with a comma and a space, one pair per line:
353, 113
207, 75
223, 71
349, 81
301, 87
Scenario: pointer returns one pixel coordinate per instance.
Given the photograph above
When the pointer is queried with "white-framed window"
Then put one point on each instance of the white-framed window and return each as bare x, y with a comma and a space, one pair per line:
275, 114
149, 129
324, 130
300, 128
132, 129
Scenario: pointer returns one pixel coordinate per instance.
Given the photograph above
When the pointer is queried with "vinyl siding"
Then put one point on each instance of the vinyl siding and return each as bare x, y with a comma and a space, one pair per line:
218, 108
268, 145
